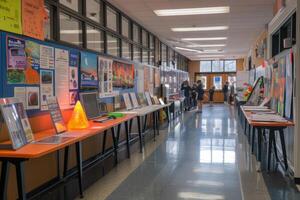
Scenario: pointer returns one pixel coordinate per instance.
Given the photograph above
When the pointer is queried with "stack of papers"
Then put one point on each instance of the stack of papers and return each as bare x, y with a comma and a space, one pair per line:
256, 108
267, 118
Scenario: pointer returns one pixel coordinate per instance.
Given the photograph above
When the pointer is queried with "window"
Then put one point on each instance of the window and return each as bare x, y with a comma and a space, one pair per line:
94, 39
137, 54
152, 58
126, 50
125, 27
164, 54
171, 58
70, 29
112, 45
151, 41
205, 66
217, 66
230, 66
47, 26
74, 4
145, 56
232, 81
203, 80
145, 38
136, 33
218, 82
111, 18
93, 9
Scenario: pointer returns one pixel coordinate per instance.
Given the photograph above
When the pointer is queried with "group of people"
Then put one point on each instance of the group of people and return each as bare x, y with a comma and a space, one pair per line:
194, 95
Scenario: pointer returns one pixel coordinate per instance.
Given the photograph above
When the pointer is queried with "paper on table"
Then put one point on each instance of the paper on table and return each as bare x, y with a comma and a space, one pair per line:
268, 118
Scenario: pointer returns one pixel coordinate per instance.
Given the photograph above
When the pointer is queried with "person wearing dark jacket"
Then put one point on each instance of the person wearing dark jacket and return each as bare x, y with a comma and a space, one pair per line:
186, 91
225, 91
211, 95
194, 95
200, 96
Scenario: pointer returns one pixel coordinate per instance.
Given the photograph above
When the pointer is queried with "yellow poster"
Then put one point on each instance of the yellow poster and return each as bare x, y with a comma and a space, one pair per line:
10, 16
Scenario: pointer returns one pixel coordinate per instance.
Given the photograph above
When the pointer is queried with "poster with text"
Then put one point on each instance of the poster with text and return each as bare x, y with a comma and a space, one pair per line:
289, 86
105, 76
62, 77
32, 98
33, 18
88, 70
46, 87
281, 84
123, 75
46, 57
32, 50
10, 16
16, 60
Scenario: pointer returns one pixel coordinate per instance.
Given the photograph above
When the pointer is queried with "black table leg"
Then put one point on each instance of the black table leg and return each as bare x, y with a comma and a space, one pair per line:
19, 164
104, 142
127, 139
157, 122
79, 166
275, 147
145, 123
4, 179
154, 124
259, 134
115, 144
118, 132
271, 139
140, 133
281, 134
130, 126
66, 161
253, 139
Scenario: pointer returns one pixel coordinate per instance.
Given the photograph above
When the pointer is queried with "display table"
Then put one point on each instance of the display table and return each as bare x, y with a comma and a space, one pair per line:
271, 128
31, 151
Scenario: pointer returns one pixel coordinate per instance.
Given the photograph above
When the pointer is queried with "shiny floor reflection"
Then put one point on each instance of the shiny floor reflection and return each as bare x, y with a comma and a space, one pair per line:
198, 160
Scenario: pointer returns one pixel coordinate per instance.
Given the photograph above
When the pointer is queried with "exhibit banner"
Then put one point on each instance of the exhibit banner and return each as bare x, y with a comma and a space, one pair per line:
105, 76
33, 18
123, 75
88, 70
10, 16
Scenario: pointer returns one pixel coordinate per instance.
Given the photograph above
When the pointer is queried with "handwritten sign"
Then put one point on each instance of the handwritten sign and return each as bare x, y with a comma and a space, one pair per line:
10, 16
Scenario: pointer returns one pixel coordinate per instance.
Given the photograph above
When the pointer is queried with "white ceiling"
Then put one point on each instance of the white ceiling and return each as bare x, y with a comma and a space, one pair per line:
247, 18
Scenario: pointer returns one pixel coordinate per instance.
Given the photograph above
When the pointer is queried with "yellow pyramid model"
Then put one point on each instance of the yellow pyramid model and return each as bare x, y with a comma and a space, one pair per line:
78, 119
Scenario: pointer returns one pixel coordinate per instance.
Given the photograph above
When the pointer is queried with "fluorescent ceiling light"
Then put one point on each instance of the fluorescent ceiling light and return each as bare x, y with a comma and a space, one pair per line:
204, 39
185, 49
78, 31
208, 28
212, 51
210, 56
192, 11
206, 45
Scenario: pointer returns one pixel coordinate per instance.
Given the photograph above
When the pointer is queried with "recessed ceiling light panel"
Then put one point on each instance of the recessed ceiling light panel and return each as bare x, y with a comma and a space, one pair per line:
192, 11
206, 45
208, 28
204, 39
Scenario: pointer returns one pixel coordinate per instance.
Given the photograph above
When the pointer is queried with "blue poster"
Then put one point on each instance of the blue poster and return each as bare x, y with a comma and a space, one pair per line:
73, 59
88, 70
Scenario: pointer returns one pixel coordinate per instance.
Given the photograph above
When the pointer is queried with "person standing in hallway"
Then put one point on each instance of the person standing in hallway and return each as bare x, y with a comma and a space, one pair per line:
200, 95
211, 95
186, 91
225, 92
194, 95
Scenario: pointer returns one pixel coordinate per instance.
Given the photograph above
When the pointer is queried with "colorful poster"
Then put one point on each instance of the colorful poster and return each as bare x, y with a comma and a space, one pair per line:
146, 79
88, 70
281, 84
46, 87
56, 115
105, 76
16, 61
10, 16
46, 57
20, 94
32, 98
289, 86
157, 77
274, 89
62, 77
33, 18
73, 78
32, 50
123, 75
24, 121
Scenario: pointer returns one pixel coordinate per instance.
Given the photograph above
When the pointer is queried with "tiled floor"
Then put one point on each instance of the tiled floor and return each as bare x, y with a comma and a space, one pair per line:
199, 156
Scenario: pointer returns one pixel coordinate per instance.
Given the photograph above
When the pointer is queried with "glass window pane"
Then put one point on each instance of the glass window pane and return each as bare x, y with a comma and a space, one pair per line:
217, 66
111, 18
137, 54
164, 54
203, 80
218, 82
145, 38
94, 39
47, 26
145, 57
152, 60
232, 80
205, 66
230, 65
70, 29
126, 50
112, 45
136, 33
73, 4
125, 27
151, 38
93, 9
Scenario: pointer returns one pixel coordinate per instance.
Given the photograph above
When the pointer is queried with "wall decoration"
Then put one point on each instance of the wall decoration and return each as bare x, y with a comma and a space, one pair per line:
46, 87
16, 60
46, 57
123, 75
88, 70
73, 77
105, 76
32, 50
10, 16
274, 89
157, 77
62, 77
32, 98
289, 86
281, 84
33, 18
146, 79
20, 94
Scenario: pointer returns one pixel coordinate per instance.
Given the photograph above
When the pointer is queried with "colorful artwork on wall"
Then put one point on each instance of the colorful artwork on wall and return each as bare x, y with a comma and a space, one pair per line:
88, 70
123, 75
